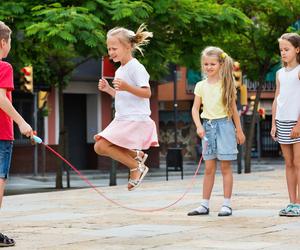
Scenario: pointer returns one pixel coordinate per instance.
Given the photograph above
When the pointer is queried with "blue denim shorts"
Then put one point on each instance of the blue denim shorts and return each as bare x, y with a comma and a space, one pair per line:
221, 144
5, 157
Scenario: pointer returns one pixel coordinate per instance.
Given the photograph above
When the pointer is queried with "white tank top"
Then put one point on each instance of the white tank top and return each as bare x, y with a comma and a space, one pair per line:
288, 100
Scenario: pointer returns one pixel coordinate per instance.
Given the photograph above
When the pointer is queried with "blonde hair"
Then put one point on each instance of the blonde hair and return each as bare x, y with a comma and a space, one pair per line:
294, 39
136, 40
226, 75
5, 31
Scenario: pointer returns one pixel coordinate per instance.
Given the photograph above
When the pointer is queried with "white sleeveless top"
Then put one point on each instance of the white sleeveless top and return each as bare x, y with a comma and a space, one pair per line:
288, 100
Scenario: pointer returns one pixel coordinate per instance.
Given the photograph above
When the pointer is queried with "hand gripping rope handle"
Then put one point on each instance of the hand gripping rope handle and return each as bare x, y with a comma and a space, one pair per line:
86, 180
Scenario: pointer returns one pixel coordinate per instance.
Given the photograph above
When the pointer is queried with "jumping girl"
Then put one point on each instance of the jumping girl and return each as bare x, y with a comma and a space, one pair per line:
132, 130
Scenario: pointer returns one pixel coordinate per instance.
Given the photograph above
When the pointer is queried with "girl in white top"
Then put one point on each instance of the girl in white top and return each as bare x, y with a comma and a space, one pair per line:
286, 117
132, 129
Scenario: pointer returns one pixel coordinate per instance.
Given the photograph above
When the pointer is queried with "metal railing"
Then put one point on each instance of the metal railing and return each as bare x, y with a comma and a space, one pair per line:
267, 85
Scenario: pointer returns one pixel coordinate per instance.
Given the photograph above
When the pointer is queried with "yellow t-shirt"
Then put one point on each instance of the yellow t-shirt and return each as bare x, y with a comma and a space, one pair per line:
211, 96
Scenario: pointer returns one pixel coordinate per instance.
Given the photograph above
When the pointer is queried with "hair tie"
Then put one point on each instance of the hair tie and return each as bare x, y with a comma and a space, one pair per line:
223, 55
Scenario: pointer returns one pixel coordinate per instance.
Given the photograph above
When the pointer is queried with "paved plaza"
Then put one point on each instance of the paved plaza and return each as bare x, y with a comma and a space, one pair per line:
82, 219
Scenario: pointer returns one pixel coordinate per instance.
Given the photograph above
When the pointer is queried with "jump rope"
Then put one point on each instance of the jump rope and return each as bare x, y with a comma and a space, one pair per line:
38, 140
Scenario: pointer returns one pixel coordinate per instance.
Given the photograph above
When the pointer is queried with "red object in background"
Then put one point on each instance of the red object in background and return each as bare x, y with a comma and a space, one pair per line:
25, 71
108, 68
262, 113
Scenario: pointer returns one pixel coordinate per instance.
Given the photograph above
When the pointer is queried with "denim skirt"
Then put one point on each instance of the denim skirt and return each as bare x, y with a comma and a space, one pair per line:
221, 144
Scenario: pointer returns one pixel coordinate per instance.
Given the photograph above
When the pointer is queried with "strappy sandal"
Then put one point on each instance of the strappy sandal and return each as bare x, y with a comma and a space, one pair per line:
134, 183
5, 241
294, 211
139, 158
284, 211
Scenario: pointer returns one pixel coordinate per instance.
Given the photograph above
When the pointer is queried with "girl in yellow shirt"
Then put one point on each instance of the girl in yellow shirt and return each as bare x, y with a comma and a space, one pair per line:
221, 124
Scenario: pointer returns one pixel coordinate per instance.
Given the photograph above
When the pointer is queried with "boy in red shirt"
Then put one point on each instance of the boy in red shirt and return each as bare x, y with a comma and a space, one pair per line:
8, 114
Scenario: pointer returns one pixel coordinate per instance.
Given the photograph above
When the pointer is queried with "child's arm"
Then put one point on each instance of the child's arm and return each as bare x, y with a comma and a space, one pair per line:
196, 116
143, 92
105, 87
8, 108
274, 105
295, 133
237, 123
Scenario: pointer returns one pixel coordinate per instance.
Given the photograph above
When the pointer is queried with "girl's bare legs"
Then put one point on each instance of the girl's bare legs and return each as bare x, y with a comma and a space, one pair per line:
2, 185
208, 183
132, 153
227, 178
227, 188
209, 178
123, 155
290, 171
296, 160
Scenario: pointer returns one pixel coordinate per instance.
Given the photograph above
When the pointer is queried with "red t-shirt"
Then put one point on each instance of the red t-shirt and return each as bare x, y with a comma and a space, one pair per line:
6, 82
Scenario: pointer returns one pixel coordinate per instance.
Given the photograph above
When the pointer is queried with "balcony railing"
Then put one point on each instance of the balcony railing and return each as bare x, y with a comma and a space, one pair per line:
267, 85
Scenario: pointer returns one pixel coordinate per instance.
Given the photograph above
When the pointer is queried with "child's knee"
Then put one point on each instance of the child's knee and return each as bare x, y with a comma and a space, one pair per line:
297, 164
289, 164
210, 171
100, 148
226, 170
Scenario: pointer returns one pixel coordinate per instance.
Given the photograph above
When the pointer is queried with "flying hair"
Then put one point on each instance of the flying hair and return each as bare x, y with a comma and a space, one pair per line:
226, 75
136, 40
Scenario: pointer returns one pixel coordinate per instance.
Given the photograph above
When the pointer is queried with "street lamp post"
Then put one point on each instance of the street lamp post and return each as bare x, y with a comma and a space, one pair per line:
175, 106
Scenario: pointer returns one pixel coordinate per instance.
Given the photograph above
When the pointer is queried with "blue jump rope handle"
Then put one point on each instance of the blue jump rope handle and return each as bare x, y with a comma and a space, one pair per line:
205, 138
37, 139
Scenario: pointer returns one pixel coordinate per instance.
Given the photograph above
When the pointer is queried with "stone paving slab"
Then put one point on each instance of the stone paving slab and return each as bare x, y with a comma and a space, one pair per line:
82, 219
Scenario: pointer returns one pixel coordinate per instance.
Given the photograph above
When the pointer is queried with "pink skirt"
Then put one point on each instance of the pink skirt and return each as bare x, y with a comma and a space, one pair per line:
139, 135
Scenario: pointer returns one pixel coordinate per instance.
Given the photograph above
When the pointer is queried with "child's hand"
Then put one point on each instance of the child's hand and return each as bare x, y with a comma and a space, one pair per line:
119, 84
240, 137
295, 133
103, 85
201, 132
25, 129
273, 133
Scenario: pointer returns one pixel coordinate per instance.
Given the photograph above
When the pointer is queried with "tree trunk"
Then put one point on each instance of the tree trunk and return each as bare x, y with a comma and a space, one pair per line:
61, 145
250, 132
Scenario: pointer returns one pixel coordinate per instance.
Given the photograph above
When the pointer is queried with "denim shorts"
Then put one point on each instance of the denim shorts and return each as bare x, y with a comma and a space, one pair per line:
5, 157
221, 144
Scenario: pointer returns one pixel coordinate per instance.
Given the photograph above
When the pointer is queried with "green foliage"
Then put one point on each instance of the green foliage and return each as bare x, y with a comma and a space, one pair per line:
136, 11
61, 26
247, 29
180, 28
255, 45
